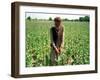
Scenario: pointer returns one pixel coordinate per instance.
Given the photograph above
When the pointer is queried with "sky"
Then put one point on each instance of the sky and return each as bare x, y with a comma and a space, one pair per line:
44, 15
46, 12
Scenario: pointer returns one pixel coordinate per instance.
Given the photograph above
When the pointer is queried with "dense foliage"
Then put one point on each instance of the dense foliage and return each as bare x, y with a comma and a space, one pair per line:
76, 43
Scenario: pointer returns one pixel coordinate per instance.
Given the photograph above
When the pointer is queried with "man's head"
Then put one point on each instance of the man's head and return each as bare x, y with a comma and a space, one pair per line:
57, 21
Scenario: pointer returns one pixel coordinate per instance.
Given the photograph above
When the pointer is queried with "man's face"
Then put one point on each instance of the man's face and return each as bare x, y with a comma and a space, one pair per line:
57, 23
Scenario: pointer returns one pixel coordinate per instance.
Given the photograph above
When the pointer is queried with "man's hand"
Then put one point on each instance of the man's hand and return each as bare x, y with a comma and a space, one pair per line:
57, 50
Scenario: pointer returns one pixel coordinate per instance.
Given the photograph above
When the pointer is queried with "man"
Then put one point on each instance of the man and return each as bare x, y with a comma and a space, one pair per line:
57, 40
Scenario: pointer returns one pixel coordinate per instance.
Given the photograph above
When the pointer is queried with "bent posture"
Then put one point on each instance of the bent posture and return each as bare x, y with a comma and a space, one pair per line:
57, 40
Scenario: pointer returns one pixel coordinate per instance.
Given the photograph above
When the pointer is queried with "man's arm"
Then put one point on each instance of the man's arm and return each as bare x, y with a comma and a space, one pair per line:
52, 42
62, 43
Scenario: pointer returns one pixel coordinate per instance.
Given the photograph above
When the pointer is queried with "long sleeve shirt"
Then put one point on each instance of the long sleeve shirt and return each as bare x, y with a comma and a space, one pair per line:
57, 36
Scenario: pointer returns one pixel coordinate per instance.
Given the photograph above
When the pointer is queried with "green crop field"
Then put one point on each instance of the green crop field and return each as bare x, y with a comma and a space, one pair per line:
76, 43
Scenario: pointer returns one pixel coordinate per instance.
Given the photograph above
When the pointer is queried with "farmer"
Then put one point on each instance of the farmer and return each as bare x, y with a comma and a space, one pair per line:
57, 40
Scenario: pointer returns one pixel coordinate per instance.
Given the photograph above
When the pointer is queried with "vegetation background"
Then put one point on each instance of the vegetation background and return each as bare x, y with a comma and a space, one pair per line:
76, 42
